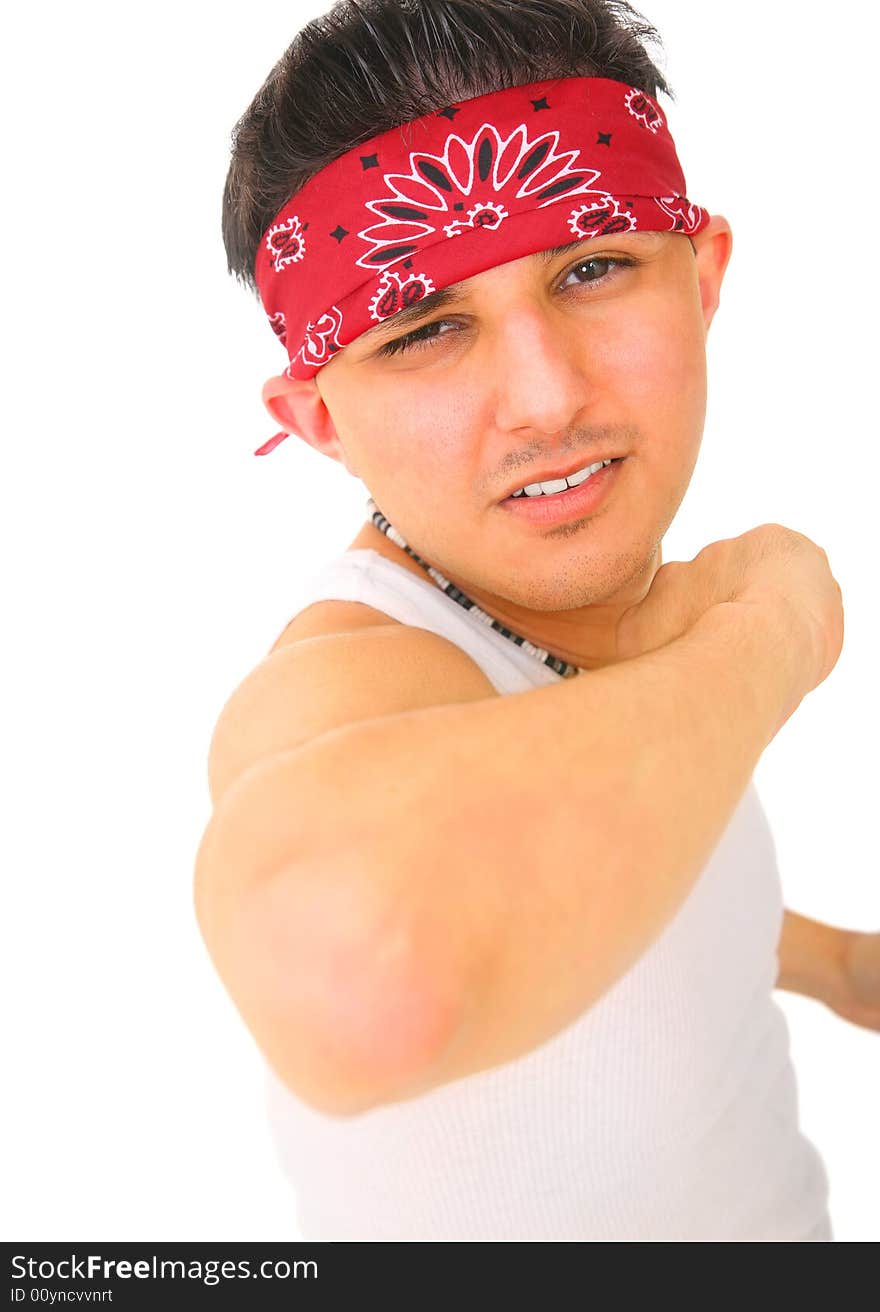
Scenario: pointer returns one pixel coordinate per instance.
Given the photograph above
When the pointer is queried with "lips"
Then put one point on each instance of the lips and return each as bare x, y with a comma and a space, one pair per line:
580, 502
551, 476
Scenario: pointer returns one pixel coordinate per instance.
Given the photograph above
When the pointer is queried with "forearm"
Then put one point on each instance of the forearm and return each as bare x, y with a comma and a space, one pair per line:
811, 957
489, 870
637, 798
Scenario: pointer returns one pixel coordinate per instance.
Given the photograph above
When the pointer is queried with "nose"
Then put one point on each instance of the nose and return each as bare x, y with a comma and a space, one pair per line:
539, 381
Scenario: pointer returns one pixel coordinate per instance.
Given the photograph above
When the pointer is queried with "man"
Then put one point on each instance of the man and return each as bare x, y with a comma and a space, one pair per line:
518, 945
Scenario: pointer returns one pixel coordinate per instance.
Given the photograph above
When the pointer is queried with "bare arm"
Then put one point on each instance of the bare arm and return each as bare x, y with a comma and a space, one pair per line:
416, 897
810, 956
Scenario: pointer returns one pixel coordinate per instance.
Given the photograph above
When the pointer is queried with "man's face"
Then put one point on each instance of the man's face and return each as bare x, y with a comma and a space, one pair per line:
544, 364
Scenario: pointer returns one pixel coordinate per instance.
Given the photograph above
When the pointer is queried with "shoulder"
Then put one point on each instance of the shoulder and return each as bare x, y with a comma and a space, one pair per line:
323, 617
339, 664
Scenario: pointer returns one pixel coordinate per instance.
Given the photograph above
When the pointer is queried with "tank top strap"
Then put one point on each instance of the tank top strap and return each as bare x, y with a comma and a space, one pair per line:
366, 576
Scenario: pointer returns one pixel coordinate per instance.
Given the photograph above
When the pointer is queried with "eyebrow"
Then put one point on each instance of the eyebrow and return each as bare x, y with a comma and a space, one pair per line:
397, 324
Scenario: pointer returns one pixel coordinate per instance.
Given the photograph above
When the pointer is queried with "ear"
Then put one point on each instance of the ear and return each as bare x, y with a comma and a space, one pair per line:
298, 406
713, 247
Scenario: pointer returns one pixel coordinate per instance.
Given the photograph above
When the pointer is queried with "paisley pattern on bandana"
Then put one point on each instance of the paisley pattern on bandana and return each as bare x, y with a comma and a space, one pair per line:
485, 215
321, 340
685, 216
601, 217
425, 200
396, 293
278, 324
644, 109
286, 242
462, 189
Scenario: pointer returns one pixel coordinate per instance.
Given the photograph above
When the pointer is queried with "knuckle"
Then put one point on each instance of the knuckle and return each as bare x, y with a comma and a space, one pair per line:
667, 576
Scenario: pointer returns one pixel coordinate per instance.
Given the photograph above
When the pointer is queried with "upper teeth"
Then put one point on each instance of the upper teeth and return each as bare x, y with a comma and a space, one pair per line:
560, 484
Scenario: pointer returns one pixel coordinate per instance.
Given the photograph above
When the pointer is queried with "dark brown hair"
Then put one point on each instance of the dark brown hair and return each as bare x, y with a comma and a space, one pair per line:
370, 65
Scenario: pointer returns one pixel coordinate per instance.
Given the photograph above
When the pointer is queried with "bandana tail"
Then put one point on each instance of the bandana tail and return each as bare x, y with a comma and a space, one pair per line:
271, 444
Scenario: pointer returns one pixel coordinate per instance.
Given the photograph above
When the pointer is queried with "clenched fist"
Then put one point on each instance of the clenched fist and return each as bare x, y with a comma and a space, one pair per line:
771, 567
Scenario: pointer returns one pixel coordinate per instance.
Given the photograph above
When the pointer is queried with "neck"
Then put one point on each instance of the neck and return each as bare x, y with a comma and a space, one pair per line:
585, 636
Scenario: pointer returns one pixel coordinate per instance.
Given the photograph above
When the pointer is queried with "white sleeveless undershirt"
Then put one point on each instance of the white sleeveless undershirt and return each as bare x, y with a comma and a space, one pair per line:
668, 1110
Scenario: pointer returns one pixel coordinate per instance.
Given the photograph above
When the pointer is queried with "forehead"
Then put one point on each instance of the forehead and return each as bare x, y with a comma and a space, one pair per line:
637, 242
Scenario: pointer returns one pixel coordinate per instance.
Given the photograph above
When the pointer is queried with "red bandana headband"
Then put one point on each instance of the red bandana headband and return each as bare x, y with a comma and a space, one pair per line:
456, 192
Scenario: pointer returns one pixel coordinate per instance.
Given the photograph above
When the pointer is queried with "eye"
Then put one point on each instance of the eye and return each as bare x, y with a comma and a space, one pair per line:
604, 268
419, 336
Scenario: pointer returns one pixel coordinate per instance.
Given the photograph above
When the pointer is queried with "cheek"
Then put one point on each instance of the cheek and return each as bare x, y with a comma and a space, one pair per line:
655, 368
407, 432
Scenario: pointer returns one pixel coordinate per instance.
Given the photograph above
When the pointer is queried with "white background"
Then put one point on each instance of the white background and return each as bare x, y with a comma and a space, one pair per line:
151, 560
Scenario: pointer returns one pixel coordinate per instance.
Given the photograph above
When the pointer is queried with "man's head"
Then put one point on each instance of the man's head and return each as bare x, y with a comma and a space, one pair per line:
370, 65
535, 366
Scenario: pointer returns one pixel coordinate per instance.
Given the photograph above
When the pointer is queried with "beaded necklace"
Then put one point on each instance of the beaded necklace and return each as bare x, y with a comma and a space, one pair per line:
556, 663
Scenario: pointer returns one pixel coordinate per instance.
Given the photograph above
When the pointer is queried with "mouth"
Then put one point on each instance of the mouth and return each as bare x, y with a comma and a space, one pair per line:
554, 480
551, 484
553, 507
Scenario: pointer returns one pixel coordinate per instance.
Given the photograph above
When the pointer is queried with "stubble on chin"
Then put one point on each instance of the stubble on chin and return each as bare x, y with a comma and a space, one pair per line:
618, 578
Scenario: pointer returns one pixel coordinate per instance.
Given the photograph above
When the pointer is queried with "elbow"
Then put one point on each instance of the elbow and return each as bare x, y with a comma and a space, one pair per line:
345, 1012
332, 982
